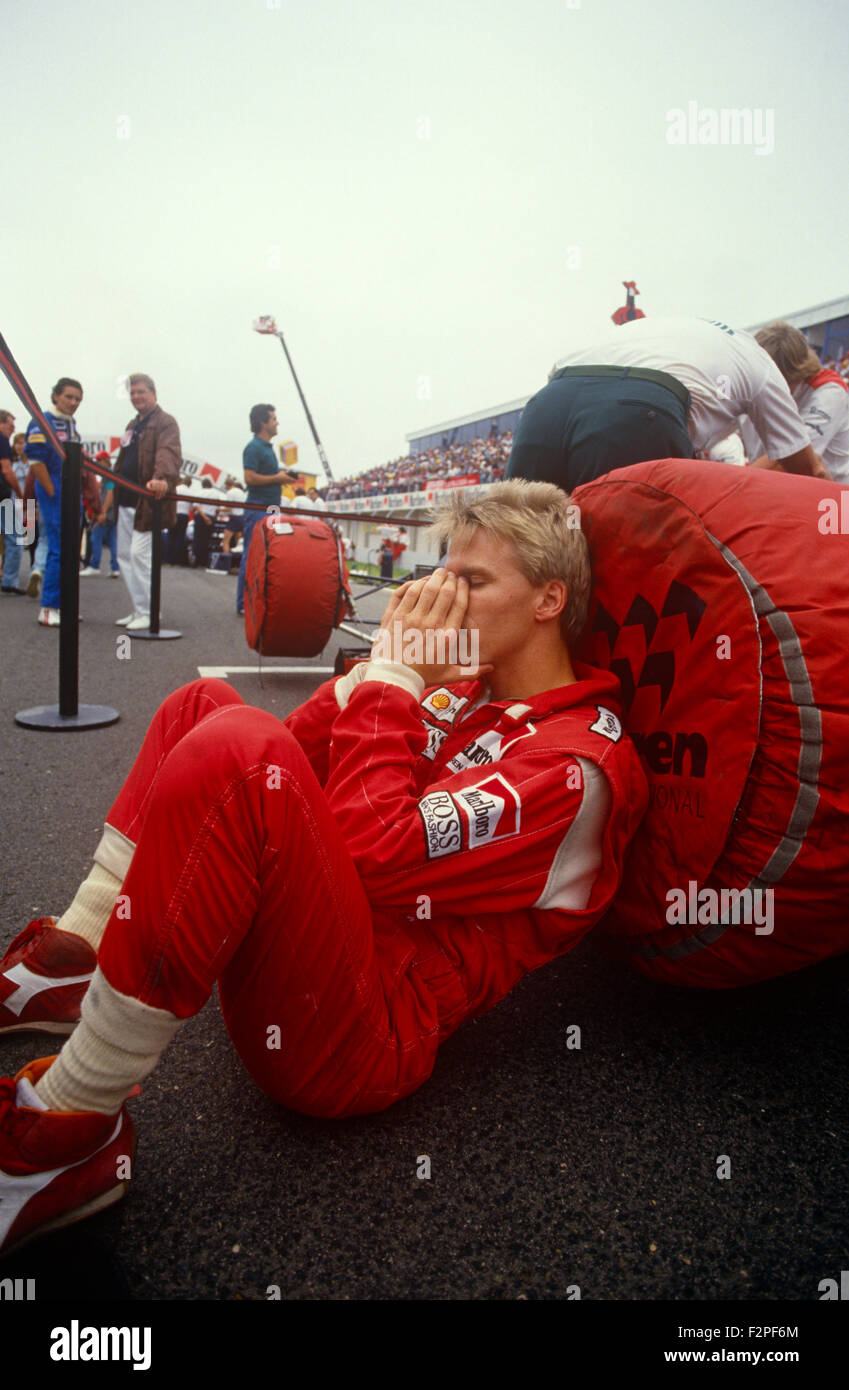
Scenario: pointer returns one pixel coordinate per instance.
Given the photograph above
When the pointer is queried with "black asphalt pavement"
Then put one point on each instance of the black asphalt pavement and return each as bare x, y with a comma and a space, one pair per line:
550, 1167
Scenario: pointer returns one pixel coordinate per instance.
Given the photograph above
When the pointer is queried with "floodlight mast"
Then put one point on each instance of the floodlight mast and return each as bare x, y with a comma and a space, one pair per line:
266, 324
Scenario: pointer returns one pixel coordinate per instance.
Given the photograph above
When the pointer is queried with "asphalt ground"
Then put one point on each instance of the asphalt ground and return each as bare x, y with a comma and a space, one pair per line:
551, 1167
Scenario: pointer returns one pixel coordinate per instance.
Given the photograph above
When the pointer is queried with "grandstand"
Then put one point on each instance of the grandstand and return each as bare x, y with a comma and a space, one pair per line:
407, 488
468, 428
826, 327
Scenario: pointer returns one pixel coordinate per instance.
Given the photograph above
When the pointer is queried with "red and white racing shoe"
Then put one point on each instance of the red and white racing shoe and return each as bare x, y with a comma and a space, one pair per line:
56, 1166
43, 977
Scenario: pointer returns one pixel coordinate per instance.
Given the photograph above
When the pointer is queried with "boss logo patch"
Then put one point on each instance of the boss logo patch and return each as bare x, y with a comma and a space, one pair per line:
607, 725
442, 825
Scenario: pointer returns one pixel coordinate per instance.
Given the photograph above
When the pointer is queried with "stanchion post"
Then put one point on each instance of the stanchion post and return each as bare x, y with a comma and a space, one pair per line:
69, 714
69, 581
153, 632
156, 567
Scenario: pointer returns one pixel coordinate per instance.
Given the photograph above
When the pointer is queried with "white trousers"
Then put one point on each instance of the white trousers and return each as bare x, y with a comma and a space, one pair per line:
135, 549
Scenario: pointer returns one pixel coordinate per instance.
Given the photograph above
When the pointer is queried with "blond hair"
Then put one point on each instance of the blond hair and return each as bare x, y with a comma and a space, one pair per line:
543, 525
790, 351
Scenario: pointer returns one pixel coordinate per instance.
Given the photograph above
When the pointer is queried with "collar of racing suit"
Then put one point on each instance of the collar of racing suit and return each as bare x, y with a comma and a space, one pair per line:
603, 686
67, 420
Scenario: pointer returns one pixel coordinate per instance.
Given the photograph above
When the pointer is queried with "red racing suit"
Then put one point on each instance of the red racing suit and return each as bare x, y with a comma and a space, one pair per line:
500, 826
360, 880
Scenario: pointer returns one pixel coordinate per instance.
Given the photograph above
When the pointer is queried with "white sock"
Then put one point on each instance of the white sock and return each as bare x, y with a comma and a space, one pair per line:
25, 1095
92, 907
116, 1044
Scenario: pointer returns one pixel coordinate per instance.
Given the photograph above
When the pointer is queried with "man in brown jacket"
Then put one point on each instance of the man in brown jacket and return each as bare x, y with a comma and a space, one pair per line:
151, 456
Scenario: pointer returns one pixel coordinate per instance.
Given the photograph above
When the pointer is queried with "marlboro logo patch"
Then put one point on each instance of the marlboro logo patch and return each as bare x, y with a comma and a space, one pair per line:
492, 810
470, 818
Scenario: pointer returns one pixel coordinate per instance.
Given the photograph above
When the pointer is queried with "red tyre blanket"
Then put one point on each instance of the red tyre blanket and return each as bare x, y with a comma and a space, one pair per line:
721, 601
296, 583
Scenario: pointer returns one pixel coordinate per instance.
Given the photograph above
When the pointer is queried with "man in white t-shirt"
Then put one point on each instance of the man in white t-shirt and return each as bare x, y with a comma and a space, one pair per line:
204, 521
656, 388
821, 396
306, 501
300, 501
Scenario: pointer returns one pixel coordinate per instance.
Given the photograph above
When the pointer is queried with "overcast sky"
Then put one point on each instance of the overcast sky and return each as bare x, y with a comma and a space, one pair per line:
437, 199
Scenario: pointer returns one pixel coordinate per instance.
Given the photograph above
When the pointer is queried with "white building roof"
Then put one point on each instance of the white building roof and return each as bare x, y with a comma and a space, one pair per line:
820, 313
488, 414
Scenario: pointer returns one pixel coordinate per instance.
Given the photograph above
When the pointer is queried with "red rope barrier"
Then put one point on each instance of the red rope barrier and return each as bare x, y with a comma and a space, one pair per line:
240, 506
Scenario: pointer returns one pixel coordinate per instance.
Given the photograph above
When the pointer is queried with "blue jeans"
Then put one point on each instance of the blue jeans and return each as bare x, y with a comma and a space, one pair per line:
100, 536
40, 559
49, 514
12, 559
251, 519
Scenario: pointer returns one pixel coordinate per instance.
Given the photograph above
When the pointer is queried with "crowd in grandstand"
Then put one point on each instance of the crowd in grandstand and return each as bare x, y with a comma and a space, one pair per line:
486, 458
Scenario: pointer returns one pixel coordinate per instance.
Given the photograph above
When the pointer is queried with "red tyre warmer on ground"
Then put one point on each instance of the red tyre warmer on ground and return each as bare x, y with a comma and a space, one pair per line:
295, 585
722, 604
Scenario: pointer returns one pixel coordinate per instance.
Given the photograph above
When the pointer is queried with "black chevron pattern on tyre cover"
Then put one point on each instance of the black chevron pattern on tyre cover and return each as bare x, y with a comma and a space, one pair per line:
658, 668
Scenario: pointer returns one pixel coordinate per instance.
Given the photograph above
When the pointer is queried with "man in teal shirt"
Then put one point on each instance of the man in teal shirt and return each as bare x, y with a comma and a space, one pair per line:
264, 480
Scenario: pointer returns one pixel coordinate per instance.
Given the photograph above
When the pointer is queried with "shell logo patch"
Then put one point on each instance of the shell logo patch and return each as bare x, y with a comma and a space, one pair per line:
444, 705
